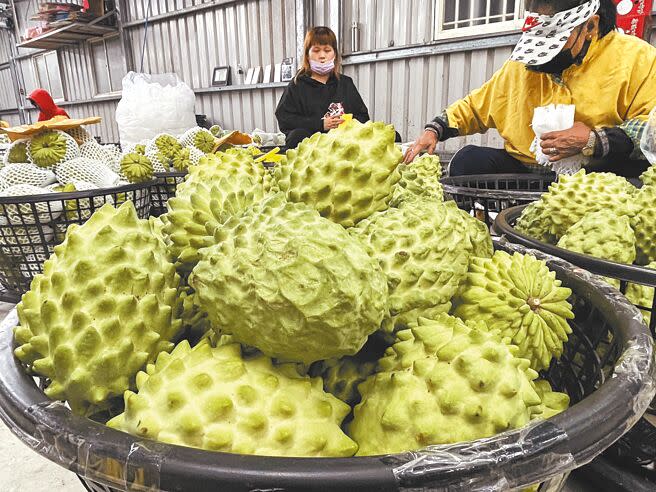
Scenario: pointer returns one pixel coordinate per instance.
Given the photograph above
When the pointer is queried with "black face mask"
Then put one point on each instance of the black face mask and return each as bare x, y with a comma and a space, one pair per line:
562, 61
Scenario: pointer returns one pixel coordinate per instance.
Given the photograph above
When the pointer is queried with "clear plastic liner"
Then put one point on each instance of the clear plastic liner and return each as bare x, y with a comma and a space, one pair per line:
481, 465
648, 142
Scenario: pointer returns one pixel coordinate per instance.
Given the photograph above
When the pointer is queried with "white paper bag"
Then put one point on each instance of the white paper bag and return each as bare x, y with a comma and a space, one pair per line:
554, 118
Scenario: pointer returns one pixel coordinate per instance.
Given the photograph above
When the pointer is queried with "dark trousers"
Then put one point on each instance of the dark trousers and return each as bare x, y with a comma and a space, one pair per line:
472, 159
297, 135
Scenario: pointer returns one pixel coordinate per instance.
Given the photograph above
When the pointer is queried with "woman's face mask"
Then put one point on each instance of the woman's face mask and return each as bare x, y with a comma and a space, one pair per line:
322, 68
322, 59
573, 53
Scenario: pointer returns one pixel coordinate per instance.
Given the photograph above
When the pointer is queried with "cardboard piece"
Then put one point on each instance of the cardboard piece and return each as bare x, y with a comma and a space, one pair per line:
56, 123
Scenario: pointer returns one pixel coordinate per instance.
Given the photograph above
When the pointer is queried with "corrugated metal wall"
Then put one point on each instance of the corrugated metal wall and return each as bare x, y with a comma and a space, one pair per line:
382, 23
191, 37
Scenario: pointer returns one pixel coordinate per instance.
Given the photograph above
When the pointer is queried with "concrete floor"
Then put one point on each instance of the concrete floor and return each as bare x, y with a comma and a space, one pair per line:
25, 470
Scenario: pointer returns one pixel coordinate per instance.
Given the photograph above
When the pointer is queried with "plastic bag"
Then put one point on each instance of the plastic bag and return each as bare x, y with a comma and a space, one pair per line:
648, 143
554, 118
154, 104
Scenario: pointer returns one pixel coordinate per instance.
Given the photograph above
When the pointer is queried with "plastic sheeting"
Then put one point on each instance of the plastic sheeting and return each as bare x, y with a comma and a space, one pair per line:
154, 104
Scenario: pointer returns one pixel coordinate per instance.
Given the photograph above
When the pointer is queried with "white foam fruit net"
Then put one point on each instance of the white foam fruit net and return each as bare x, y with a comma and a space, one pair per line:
72, 148
107, 154
15, 236
195, 155
80, 135
28, 213
188, 139
30, 174
158, 165
87, 170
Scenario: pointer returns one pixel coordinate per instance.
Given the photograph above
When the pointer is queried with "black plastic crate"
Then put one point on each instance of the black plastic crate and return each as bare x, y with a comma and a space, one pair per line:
164, 188
485, 195
31, 226
638, 447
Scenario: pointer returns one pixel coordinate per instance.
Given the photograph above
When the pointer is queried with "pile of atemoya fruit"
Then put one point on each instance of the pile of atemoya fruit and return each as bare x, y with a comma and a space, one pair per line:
51, 159
602, 215
335, 306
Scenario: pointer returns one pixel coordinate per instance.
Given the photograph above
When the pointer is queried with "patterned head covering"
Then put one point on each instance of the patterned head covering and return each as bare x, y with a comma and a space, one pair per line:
545, 36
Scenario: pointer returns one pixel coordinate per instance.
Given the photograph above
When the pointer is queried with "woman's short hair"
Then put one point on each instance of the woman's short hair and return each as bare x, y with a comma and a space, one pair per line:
319, 36
607, 11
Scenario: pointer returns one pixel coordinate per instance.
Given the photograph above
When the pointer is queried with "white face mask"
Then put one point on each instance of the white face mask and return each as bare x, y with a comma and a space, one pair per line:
322, 68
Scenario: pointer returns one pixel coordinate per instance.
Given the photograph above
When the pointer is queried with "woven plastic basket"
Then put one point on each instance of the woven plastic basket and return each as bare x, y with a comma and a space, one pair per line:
31, 227
164, 188
639, 446
610, 384
486, 195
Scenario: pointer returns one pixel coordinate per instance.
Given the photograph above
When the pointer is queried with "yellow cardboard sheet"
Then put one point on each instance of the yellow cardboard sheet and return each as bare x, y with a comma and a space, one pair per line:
56, 123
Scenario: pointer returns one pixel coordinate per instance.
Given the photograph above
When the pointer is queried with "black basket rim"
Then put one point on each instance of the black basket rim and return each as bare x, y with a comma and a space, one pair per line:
621, 271
454, 185
171, 174
73, 195
602, 416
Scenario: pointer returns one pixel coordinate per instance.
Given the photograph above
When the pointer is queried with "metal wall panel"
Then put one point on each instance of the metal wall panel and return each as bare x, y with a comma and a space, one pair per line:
382, 23
5, 40
238, 34
7, 92
410, 92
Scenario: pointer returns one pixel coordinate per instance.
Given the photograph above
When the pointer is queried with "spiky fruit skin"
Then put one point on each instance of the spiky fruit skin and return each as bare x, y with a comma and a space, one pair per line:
341, 377
204, 141
101, 310
519, 297
424, 248
216, 399
573, 197
162, 150
195, 322
648, 178
136, 167
553, 402
421, 178
18, 153
641, 295
603, 235
443, 382
207, 199
533, 223
216, 130
346, 174
644, 225
233, 163
51, 147
294, 285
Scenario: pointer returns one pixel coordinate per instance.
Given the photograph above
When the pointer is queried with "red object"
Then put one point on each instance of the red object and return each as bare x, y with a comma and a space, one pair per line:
48, 108
530, 23
635, 21
85, 4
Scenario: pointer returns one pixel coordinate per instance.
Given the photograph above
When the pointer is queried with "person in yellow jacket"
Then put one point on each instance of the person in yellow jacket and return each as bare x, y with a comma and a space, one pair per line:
570, 53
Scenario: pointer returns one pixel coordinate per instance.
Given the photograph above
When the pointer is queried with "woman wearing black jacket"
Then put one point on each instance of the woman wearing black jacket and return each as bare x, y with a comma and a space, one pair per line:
319, 94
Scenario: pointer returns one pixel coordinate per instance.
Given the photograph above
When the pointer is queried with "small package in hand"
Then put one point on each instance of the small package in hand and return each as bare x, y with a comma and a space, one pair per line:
554, 118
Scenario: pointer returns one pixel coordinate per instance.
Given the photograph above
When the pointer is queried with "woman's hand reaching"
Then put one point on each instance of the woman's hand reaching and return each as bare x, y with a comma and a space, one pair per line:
427, 142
